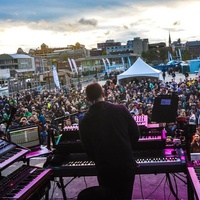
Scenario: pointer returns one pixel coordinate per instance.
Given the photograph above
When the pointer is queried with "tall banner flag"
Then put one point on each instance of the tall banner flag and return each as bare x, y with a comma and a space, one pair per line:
123, 64
108, 62
199, 76
75, 67
108, 65
55, 77
70, 64
169, 56
129, 62
180, 55
177, 56
104, 63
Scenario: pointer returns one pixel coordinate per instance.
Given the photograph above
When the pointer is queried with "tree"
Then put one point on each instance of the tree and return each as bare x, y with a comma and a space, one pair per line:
104, 53
163, 54
78, 45
155, 55
186, 55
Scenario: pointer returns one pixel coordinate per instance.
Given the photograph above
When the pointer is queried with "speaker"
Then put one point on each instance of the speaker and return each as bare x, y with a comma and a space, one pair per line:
165, 108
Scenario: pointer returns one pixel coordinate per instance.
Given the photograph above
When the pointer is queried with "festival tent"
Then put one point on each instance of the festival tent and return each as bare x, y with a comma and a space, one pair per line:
140, 70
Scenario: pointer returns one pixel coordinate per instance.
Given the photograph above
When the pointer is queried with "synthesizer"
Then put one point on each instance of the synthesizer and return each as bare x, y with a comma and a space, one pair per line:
148, 162
25, 183
167, 160
10, 153
150, 137
194, 175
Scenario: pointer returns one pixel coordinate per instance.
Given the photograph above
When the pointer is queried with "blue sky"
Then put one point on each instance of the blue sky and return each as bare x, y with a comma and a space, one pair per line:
28, 24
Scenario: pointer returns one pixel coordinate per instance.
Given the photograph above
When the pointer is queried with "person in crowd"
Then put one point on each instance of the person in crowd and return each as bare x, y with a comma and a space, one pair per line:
195, 144
108, 133
27, 113
164, 75
43, 103
192, 118
24, 122
140, 112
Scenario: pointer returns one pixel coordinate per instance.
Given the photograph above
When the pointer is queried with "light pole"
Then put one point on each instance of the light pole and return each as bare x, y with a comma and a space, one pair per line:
49, 78
49, 81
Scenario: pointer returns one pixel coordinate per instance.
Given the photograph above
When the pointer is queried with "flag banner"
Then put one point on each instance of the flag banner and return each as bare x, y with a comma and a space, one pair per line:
129, 62
75, 67
169, 56
176, 54
70, 64
55, 77
180, 55
108, 62
108, 68
104, 63
123, 64
198, 76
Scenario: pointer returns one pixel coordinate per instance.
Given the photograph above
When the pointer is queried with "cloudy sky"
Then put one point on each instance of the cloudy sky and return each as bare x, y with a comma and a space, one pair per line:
58, 23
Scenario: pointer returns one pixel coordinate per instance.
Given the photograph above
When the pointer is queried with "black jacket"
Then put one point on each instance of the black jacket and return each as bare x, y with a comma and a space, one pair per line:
108, 133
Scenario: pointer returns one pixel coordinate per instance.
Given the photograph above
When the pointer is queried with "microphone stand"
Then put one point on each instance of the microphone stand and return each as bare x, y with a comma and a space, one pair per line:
12, 114
50, 138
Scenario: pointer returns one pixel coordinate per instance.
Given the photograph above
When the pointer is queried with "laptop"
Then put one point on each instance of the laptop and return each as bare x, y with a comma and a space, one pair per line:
28, 137
195, 156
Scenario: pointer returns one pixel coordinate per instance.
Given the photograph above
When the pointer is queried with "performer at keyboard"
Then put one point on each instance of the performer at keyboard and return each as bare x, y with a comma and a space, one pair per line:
108, 132
195, 144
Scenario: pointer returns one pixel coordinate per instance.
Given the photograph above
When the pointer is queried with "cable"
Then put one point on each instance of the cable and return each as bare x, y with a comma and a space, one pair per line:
141, 189
164, 186
155, 188
169, 190
54, 188
69, 182
179, 177
84, 178
175, 184
171, 187
72, 198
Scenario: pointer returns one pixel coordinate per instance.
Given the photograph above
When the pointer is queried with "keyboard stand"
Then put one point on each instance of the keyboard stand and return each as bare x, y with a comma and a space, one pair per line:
62, 187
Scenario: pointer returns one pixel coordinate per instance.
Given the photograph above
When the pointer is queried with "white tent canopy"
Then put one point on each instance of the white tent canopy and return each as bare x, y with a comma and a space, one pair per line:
140, 69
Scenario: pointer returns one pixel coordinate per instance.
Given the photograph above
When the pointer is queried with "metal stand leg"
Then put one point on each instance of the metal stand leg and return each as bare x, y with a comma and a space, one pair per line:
63, 188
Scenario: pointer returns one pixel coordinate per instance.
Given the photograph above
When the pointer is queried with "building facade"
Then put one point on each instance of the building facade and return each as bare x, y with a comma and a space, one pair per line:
140, 45
121, 49
17, 63
75, 51
108, 43
194, 48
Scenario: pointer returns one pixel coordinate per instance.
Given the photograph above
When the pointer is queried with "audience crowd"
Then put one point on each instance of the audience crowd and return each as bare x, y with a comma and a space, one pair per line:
64, 107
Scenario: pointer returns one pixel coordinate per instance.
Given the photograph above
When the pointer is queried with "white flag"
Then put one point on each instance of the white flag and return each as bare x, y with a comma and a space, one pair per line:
55, 77
75, 67
105, 65
70, 64
108, 62
129, 62
123, 64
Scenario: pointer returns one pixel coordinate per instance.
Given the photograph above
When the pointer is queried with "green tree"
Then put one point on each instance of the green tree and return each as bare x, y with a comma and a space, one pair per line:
78, 45
150, 55
186, 55
104, 53
155, 55
163, 54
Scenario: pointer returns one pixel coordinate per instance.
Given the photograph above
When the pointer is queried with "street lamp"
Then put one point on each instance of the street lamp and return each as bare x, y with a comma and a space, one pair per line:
49, 81
48, 76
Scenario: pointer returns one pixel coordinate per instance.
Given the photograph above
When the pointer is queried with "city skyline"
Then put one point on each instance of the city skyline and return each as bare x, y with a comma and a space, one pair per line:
28, 24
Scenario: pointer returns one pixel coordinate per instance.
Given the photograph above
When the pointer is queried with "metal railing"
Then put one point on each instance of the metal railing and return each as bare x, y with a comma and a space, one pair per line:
51, 86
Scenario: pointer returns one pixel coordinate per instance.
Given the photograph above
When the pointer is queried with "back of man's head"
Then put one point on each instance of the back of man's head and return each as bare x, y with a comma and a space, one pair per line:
94, 91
